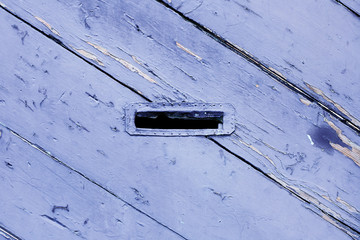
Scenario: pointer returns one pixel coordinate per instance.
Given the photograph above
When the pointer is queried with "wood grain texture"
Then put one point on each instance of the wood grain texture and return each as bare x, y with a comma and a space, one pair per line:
41, 199
144, 50
313, 44
192, 185
73, 115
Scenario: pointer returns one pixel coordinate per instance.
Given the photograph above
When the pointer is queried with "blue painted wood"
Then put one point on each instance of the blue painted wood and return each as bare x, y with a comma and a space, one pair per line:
189, 184
7, 235
40, 199
276, 146
262, 133
313, 44
353, 5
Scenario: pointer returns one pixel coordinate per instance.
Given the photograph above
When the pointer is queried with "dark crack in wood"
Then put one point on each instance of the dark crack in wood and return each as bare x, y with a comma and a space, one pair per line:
263, 67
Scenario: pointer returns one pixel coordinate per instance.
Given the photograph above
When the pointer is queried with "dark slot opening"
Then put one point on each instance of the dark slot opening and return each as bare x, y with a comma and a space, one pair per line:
179, 120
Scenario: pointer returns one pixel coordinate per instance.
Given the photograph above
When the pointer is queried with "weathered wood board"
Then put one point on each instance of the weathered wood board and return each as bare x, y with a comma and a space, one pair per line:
201, 181
74, 111
352, 5
40, 199
313, 44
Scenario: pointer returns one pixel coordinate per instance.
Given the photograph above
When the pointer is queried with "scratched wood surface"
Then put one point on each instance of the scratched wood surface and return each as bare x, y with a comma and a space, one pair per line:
285, 137
42, 200
201, 187
313, 44
202, 180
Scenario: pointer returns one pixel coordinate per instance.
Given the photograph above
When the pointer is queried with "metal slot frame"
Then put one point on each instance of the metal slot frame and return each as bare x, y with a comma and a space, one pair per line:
226, 128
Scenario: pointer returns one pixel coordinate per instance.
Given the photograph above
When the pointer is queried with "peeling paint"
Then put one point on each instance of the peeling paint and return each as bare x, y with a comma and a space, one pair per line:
333, 222
136, 60
244, 51
123, 62
273, 148
296, 190
188, 51
350, 208
305, 101
88, 55
326, 198
3, 5
256, 150
47, 25
305, 196
277, 72
353, 153
338, 106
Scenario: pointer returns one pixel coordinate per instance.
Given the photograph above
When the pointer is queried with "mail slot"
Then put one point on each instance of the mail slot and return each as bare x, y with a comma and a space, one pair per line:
179, 119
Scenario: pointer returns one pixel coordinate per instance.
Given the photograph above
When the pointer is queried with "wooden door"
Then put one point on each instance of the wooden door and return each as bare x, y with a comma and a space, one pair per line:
69, 169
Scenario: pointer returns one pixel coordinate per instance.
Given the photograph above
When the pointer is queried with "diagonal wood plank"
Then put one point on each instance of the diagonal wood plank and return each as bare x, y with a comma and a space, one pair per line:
312, 44
352, 5
282, 159
7, 235
196, 188
53, 202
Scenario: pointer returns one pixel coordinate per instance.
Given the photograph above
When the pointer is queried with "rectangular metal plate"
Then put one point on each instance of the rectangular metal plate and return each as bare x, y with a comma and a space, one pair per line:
206, 111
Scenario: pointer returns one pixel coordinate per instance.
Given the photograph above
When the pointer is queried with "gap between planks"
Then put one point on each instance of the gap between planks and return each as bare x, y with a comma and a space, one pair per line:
263, 67
271, 72
348, 8
54, 158
328, 217
59, 42
7, 234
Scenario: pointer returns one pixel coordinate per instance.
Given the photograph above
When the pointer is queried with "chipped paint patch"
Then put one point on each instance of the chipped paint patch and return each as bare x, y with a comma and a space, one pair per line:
296, 190
326, 198
244, 51
305, 196
333, 222
47, 25
310, 198
256, 150
277, 72
305, 101
352, 153
351, 208
88, 55
136, 60
3, 5
188, 51
338, 106
123, 62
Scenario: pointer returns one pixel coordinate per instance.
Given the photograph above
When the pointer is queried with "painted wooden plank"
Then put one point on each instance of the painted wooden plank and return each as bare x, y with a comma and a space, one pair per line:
313, 44
352, 5
189, 183
259, 115
7, 235
40, 199
158, 55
